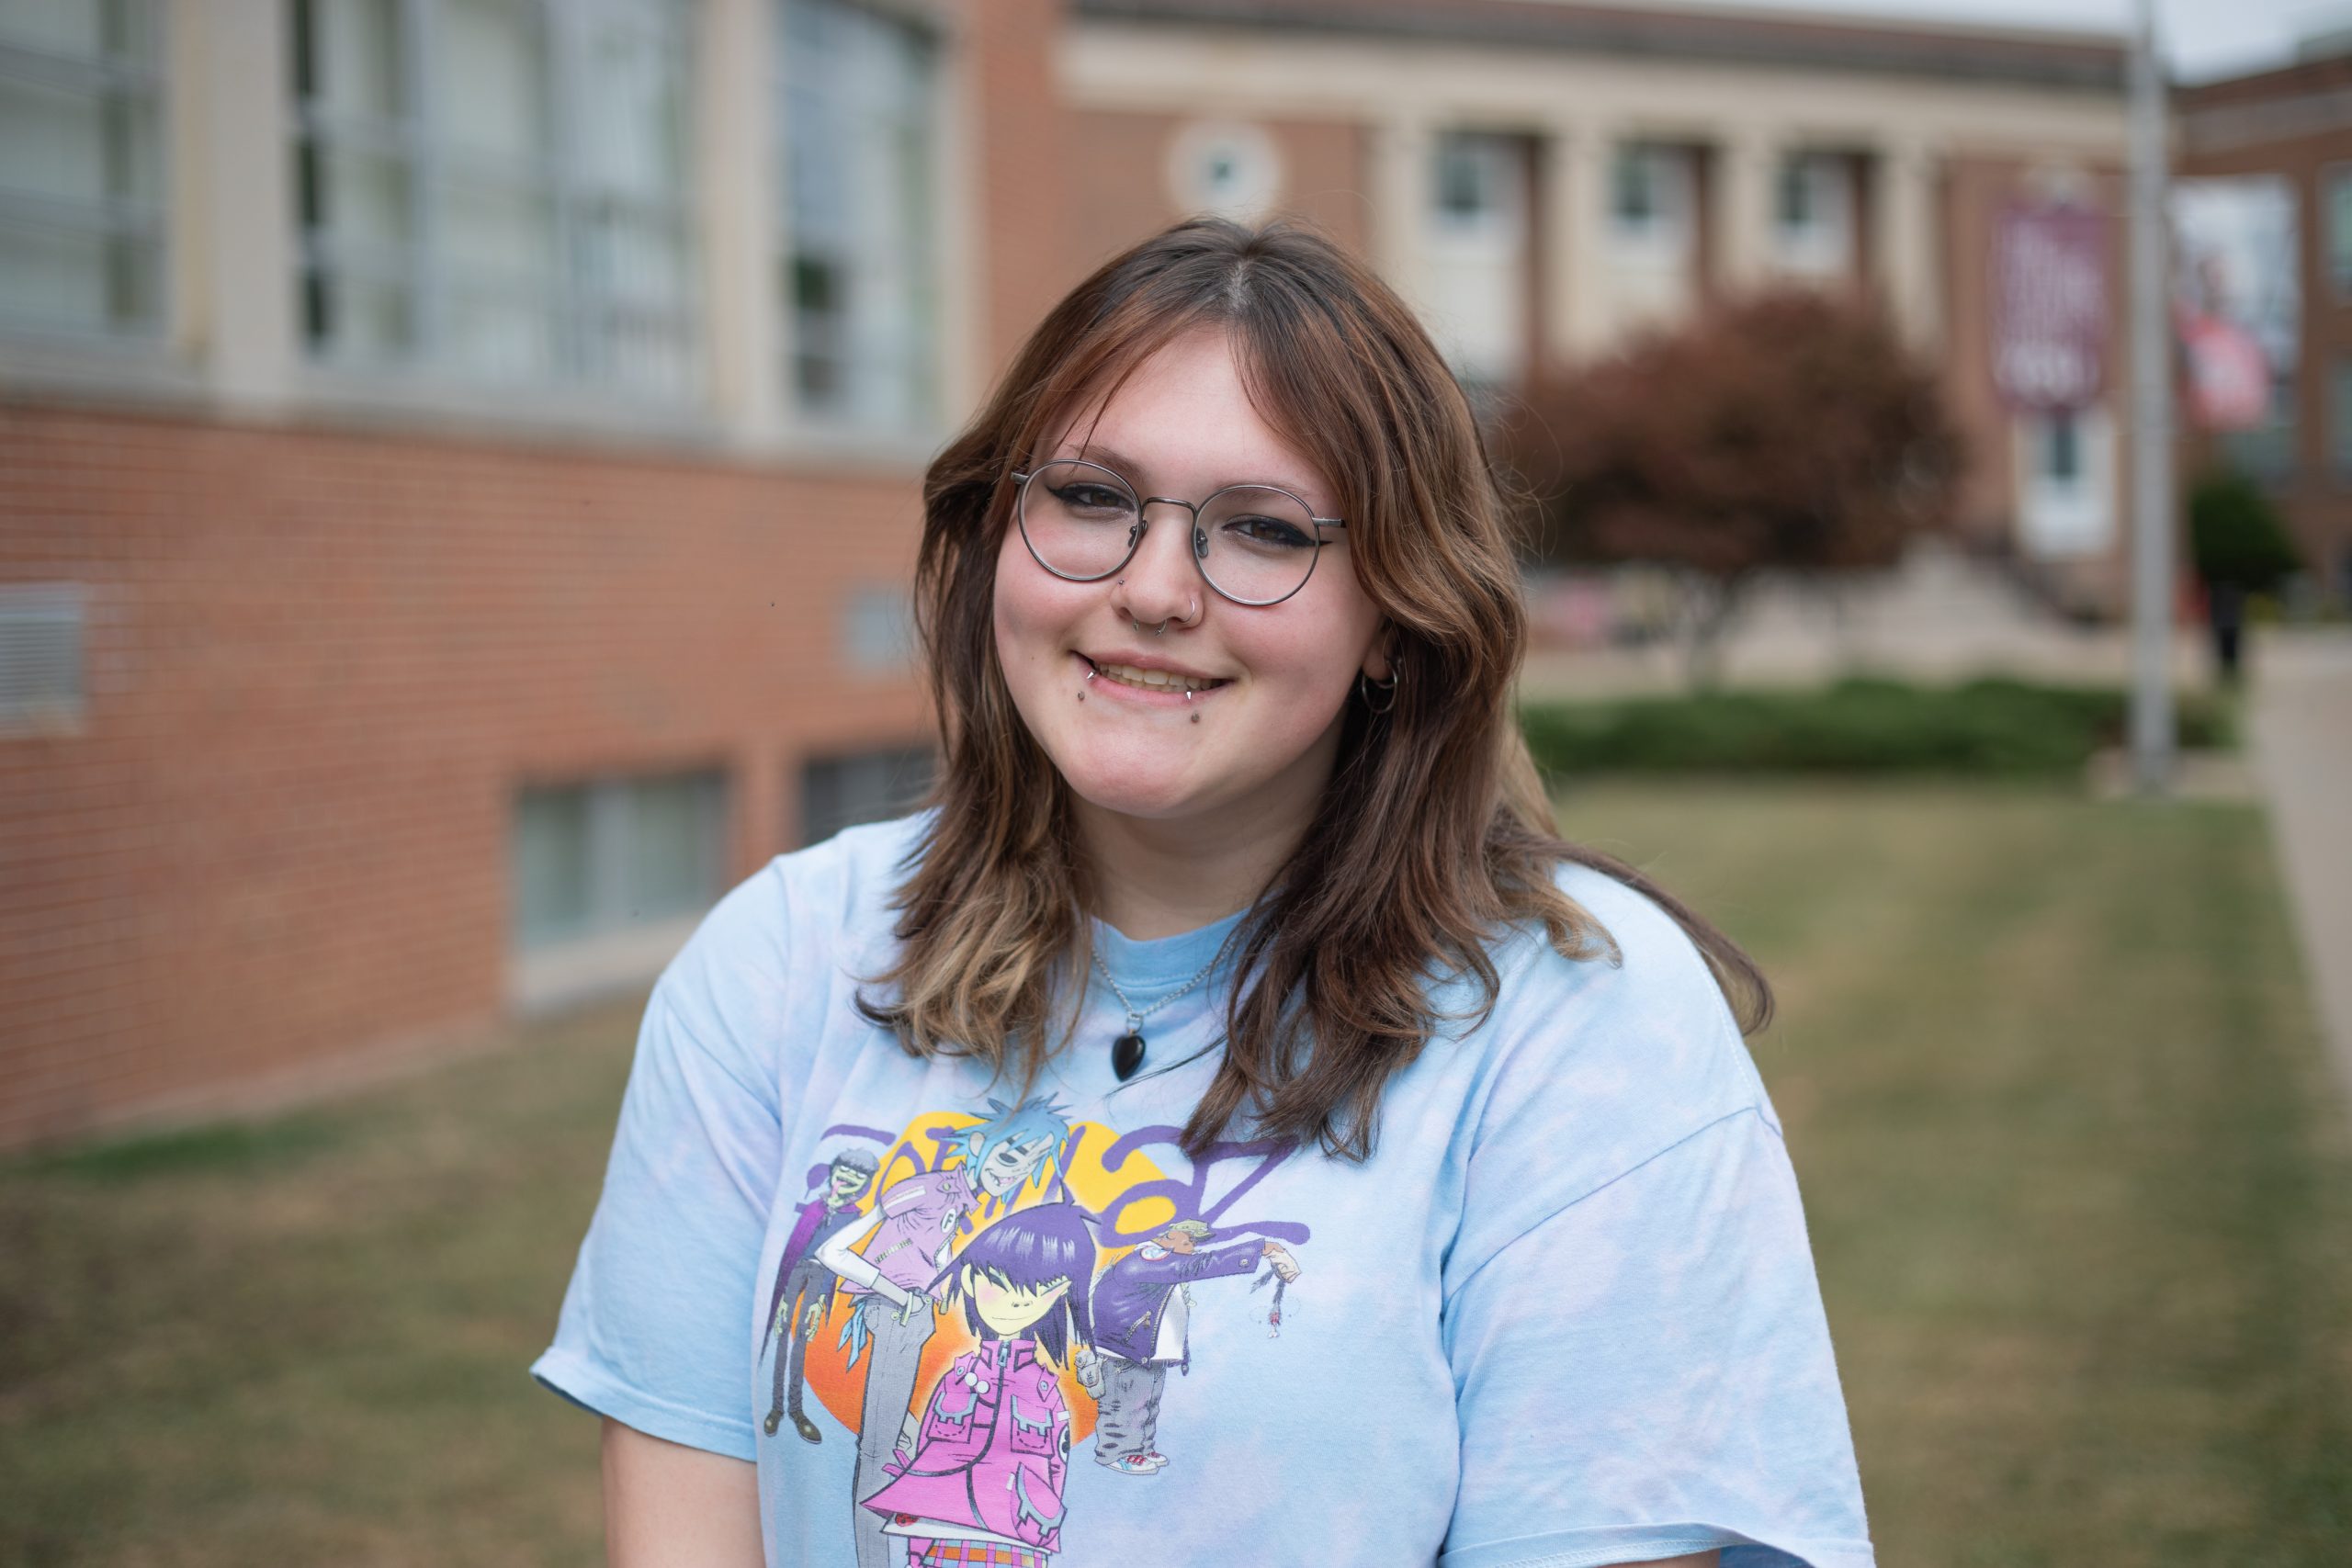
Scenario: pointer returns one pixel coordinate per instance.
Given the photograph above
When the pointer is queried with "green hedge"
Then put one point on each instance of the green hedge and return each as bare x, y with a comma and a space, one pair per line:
1860, 726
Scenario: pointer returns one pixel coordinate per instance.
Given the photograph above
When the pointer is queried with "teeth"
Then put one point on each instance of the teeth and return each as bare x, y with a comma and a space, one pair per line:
1128, 675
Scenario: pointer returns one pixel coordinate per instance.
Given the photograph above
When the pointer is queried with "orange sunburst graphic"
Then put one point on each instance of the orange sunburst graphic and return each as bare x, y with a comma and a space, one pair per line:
842, 1388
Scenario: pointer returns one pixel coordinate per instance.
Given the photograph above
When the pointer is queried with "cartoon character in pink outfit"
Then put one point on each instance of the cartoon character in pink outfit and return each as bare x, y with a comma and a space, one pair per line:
983, 1482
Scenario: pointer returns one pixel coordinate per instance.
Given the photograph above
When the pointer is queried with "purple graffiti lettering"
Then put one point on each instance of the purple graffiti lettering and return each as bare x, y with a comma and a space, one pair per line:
1190, 1199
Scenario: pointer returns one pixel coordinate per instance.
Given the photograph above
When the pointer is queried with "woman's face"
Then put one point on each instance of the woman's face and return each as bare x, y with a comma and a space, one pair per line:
1258, 744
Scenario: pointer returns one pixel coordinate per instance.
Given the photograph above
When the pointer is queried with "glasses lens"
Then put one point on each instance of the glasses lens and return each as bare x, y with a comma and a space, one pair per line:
1256, 544
1079, 518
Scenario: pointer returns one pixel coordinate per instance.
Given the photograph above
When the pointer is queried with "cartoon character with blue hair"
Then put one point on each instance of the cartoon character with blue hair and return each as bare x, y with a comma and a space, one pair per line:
887, 1266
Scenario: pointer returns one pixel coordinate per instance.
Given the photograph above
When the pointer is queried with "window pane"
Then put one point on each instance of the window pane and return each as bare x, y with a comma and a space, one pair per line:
674, 837
2339, 230
350, 56
858, 91
551, 869
870, 786
491, 59
362, 201
359, 319
85, 252
120, 30
75, 144
2339, 415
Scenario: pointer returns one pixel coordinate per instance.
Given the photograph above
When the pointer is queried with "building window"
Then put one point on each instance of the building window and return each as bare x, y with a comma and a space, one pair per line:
860, 247
81, 168
1649, 193
2339, 417
2266, 451
2335, 188
1814, 214
1224, 166
2067, 489
863, 786
1474, 178
40, 656
498, 188
597, 859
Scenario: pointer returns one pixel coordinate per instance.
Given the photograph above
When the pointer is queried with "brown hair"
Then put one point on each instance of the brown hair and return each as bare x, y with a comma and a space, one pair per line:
1434, 831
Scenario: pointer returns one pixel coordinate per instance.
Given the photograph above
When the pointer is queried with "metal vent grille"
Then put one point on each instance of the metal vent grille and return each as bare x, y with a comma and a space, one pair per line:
40, 655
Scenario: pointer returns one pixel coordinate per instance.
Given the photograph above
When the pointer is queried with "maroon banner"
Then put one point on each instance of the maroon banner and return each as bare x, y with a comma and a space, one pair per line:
2050, 307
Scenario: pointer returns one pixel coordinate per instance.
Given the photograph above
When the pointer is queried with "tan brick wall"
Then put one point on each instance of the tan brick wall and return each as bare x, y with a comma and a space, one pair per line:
1119, 169
319, 666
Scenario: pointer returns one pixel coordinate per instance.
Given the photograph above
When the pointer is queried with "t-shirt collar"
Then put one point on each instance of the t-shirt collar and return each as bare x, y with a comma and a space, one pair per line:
1163, 961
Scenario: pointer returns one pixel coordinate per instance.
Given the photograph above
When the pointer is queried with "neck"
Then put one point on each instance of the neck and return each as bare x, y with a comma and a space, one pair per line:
1153, 878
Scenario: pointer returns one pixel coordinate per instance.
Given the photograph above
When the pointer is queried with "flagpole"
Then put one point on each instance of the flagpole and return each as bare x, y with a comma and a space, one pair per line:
2151, 438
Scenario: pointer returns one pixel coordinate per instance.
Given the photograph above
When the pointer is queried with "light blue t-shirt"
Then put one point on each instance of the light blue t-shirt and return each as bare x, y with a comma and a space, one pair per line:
1566, 1315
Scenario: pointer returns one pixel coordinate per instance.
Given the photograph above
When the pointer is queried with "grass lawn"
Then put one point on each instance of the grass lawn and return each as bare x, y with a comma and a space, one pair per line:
2079, 1188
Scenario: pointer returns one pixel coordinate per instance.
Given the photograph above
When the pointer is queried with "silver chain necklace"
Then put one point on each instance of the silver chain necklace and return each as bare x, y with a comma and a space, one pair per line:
1126, 1050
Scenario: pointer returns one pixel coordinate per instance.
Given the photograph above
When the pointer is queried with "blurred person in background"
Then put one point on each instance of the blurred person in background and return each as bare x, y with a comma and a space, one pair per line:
1238, 857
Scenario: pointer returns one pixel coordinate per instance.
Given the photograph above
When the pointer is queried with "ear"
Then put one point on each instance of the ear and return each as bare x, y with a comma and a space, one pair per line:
1377, 661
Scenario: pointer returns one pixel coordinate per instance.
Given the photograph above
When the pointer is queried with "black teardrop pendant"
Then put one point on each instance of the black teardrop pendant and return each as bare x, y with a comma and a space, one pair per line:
1126, 1055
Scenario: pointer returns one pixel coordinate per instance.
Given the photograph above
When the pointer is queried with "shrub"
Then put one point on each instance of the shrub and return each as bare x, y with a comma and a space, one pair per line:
1994, 726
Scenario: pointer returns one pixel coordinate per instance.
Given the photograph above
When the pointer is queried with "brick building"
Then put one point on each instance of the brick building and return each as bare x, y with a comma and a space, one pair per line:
459, 458
2295, 123
456, 496
1543, 178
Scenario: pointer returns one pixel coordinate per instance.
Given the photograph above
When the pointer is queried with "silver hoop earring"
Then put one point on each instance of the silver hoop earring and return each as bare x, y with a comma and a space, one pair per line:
1366, 686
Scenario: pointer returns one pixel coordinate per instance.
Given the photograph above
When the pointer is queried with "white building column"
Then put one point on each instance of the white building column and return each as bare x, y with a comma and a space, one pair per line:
1904, 238
1404, 153
1575, 197
735, 157
1747, 161
235, 238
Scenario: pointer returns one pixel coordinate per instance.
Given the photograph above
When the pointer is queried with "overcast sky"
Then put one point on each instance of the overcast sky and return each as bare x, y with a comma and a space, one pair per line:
2204, 38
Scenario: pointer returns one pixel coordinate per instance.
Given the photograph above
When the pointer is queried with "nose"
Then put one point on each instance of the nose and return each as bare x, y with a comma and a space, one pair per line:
1163, 580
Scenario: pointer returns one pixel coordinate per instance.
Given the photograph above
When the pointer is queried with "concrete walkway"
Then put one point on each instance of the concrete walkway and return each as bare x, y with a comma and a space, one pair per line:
2302, 716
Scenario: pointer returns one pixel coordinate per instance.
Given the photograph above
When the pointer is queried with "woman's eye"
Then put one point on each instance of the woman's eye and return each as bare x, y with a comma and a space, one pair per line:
1092, 498
1269, 532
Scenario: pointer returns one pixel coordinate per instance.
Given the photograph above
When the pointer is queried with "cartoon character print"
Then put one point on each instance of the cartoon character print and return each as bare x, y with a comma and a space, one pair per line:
888, 1263
990, 1457
1034, 1362
803, 1281
1143, 1304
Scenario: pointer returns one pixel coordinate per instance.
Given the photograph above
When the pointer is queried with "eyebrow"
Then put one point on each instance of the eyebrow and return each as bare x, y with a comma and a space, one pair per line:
1111, 457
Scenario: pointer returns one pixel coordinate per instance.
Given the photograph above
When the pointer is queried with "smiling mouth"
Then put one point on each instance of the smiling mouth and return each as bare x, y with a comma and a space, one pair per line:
1153, 680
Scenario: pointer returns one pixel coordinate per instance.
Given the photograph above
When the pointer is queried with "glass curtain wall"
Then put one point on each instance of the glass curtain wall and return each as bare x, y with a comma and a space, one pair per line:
498, 189
859, 250
81, 166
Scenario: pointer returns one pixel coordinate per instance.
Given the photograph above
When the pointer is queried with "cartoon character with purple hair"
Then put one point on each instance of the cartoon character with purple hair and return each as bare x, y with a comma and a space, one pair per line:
989, 1458
886, 1261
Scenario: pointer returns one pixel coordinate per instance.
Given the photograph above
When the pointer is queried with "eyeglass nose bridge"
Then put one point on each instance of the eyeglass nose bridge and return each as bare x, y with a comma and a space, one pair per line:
1192, 510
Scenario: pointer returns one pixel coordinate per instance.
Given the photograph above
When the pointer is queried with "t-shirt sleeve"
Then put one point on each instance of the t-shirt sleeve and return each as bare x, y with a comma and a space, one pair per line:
1647, 1372
655, 1324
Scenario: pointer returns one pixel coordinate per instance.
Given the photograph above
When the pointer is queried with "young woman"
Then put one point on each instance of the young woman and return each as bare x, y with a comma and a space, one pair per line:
1239, 881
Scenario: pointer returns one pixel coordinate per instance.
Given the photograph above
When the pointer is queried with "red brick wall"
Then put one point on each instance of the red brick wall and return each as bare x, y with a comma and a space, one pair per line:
319, 666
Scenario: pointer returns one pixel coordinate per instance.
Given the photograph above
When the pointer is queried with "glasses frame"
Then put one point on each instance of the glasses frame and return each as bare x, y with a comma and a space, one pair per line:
1143, 526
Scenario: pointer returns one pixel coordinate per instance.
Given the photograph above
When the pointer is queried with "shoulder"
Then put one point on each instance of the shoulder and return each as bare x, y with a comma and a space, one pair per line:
777, 941
1588, 1066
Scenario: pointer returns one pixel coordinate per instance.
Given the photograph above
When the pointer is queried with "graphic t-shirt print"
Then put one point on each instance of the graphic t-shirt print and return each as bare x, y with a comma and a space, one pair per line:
1032, 1282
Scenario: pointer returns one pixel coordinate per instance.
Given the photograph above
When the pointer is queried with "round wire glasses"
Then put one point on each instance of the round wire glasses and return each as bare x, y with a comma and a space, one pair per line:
1254, 544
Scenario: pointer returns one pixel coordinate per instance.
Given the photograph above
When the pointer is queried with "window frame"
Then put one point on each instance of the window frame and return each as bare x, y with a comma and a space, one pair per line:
151, 223
423, 149
943, 110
